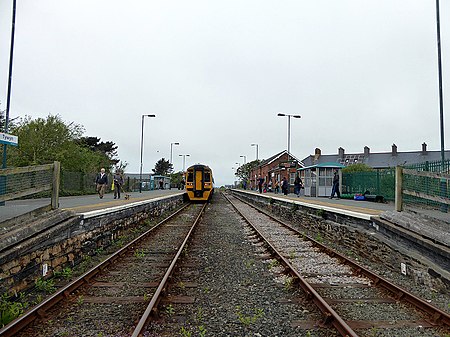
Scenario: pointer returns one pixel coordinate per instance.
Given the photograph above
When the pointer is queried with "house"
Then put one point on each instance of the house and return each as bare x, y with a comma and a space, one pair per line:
317, 174
275, 168
376, 160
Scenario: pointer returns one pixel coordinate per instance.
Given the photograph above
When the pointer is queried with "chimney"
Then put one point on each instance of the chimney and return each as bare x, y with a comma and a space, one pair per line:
424, 149
341, 152
366, 151
394, 149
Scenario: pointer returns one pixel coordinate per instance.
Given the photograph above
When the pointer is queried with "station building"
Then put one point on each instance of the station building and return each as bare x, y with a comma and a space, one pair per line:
317, 170
275, 168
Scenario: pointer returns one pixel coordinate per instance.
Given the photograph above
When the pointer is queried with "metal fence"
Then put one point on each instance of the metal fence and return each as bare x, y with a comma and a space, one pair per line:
379, 182
19, 182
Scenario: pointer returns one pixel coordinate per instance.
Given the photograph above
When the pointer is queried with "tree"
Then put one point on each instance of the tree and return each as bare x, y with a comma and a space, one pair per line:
175, 178
162, 167
45, 140
109, 149
42, 141
243, 171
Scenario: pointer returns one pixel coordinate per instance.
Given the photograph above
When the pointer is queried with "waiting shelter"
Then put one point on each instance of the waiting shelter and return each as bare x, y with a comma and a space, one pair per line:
155, 182
318, 179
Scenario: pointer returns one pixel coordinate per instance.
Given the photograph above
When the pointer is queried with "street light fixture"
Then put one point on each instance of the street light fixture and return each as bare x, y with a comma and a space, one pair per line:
289, 129
171, 145
184, 158
245, 159
257, 146
142, 147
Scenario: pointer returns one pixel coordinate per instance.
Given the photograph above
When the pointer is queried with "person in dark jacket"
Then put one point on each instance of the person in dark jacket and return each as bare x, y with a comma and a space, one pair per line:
101, 182
297, 185
335, 189
284, 186
260, 183
118, 182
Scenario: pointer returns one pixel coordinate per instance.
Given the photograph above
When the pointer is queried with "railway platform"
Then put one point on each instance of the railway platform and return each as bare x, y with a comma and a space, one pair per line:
78, 204
424, 222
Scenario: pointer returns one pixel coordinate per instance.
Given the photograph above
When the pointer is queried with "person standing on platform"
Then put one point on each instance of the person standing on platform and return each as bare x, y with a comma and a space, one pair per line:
101, 181
284, 186
297, 185
260, 183
118, 182
335, 189
277, 187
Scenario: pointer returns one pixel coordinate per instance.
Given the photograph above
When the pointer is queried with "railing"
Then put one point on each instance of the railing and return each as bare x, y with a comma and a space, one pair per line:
19, 182
425, 185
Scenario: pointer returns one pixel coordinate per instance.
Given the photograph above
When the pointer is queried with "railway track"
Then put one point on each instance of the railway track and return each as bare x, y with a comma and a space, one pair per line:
351, 298
119, 296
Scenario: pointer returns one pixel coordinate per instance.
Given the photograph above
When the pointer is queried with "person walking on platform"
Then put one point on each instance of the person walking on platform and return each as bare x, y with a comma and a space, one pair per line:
285, 186
101, 181
118, 182
335, 189
297, 185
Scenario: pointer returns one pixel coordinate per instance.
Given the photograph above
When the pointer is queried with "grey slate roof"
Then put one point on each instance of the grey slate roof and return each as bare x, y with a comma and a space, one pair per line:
380, 159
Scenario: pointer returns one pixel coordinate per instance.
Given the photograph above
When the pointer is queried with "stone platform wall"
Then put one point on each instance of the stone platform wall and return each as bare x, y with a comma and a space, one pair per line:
355, 238
65, 244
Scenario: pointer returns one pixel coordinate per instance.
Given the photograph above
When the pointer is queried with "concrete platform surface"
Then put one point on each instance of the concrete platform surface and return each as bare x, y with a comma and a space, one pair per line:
78, 204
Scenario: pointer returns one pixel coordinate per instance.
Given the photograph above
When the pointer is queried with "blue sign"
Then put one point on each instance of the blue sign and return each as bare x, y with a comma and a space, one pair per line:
8, 139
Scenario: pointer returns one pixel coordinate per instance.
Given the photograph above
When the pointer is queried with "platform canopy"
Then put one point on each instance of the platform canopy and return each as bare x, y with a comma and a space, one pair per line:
323, 165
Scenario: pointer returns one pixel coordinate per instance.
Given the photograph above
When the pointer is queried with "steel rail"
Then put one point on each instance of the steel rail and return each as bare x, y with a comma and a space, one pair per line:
39, 311
140, 327
437, 315
331, 316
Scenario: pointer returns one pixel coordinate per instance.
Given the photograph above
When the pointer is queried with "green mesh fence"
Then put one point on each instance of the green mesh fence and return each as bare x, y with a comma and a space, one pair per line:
427, 184
78, 183
25, 181
379, 182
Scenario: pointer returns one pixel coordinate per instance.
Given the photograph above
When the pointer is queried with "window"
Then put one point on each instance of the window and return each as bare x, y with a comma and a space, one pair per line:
207, 177
291, 178
190, 177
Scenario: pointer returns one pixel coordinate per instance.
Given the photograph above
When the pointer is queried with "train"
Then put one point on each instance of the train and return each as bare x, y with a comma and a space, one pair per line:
199, 183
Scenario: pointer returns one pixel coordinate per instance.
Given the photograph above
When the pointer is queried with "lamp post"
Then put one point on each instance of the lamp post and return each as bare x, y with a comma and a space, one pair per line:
257, 146
171, 145
443, 186
289, 129
245, 159
142, 147
8, 97
184, 159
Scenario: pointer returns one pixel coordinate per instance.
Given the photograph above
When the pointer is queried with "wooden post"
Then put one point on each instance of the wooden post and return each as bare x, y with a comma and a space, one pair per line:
55, 184
398, 188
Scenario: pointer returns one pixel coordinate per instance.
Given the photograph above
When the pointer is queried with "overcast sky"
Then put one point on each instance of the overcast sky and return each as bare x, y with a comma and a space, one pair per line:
216, 73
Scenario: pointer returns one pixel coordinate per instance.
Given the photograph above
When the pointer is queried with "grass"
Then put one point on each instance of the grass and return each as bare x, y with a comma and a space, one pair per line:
46, 286
139, 253
9, 310
66, 273
247, 320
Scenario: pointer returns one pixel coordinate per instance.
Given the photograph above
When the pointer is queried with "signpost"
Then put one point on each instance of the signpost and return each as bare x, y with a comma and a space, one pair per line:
8, 139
